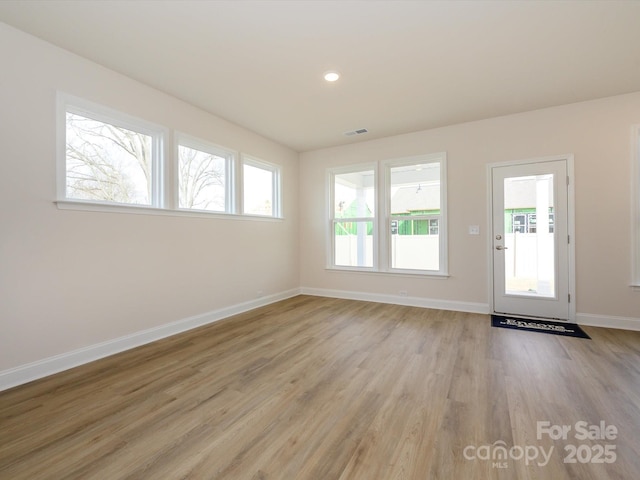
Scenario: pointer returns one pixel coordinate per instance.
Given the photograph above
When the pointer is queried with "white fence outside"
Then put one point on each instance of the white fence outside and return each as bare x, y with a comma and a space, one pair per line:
530, 263
419, 252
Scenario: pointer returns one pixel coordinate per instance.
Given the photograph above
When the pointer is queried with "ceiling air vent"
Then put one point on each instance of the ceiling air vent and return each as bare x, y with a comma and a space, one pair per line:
360, 131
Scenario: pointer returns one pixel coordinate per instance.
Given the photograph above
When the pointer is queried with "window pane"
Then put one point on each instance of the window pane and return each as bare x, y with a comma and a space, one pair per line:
202, 180
108, 163
529, 244
415, 189
353, 244
415, 250
354, 195
258, 190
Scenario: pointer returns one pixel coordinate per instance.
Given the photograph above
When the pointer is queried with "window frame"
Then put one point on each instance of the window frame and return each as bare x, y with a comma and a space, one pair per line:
164, 199
441, 158
382, 218
99, 113
635, 207
230, 157
276, 190
331, 175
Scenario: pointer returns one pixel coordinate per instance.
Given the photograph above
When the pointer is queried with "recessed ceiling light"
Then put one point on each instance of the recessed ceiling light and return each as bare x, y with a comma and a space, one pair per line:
331, 76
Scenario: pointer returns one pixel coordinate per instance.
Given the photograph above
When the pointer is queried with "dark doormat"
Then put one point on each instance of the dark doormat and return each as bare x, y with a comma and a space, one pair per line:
539, 325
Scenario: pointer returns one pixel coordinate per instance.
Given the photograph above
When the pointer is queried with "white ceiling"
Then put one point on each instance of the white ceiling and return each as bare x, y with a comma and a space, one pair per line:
405, 65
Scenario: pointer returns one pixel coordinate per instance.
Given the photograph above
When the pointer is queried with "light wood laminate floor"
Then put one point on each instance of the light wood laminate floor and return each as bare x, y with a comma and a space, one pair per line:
319, 388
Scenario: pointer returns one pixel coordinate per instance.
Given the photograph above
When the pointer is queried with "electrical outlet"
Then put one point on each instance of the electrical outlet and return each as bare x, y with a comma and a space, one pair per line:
403, 293
474, 229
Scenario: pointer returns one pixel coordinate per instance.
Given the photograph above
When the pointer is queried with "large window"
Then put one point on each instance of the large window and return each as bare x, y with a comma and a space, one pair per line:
353, 219
390, 216
110, 161
415, 200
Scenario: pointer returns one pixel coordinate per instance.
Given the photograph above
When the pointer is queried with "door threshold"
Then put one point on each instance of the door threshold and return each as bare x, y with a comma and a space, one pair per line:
530, 317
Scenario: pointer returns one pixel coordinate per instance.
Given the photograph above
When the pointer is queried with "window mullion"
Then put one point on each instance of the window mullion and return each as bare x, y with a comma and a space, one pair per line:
163, 165
443, 228
635, 209
230, 185
384, 222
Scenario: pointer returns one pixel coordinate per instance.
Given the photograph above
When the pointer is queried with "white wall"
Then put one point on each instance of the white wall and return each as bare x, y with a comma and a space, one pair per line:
596, 132
72, 279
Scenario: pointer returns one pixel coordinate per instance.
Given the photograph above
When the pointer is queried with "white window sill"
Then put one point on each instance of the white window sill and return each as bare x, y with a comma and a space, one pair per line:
148, 210
393, 273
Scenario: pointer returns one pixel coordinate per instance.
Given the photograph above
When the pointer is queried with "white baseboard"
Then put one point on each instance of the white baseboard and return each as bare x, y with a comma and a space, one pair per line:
58, 363
624, 323
607, 321
399, 300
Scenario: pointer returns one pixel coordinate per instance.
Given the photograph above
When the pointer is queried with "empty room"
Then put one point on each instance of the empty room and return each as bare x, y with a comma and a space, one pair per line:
319, 240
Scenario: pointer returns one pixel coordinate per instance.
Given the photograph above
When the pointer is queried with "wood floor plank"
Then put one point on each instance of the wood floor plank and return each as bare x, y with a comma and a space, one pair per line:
319, 388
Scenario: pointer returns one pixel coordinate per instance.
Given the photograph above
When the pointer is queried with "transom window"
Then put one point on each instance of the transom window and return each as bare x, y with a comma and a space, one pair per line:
261, 187
205, 176
110, 161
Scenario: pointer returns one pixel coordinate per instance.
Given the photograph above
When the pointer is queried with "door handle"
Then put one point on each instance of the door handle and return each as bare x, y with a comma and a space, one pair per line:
501, 247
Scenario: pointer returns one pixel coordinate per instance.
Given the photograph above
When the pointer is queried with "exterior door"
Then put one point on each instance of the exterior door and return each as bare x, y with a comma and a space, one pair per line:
530, 239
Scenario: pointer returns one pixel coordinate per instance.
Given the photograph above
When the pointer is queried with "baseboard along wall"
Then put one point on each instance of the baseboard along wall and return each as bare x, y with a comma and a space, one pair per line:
65, 361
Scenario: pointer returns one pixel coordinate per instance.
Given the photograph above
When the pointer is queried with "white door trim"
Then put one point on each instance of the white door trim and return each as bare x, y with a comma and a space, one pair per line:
568, 158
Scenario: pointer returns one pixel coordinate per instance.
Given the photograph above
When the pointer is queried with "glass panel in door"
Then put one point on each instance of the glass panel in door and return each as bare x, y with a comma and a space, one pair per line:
529, 246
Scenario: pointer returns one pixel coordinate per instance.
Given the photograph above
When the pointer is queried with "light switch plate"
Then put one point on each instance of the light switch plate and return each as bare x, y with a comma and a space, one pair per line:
474, 229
